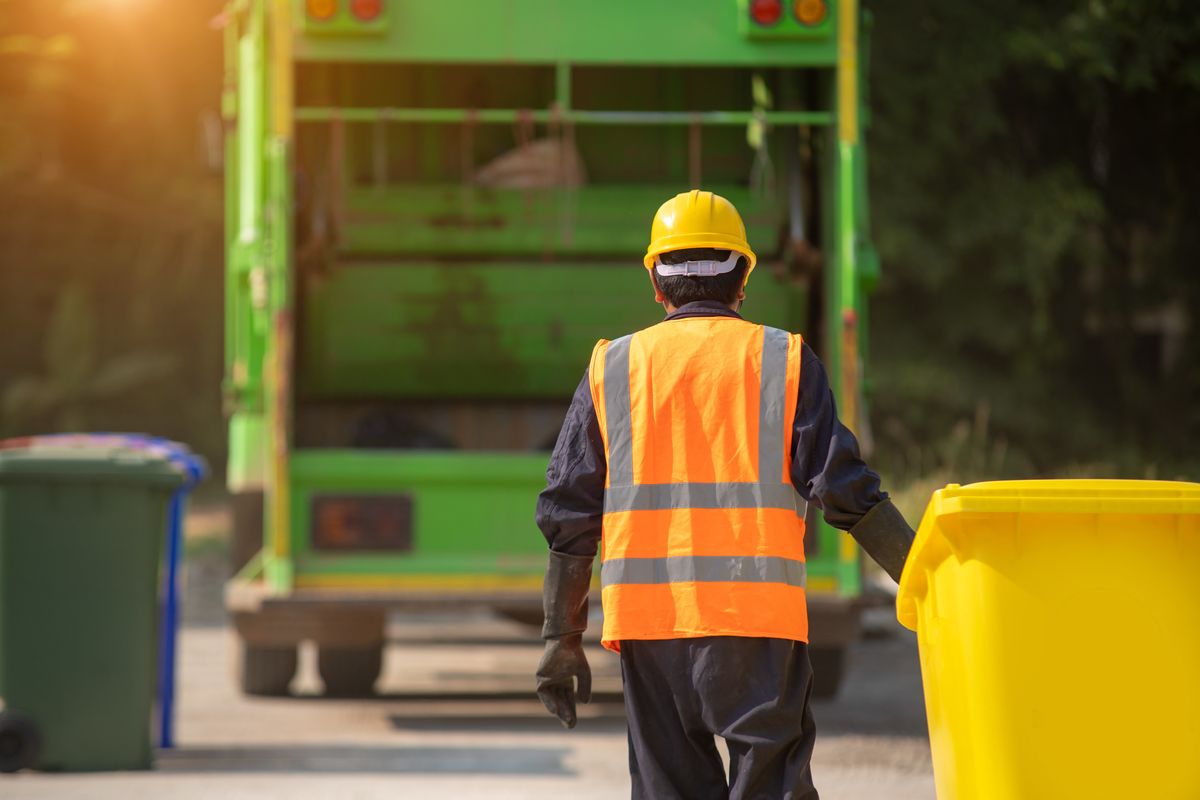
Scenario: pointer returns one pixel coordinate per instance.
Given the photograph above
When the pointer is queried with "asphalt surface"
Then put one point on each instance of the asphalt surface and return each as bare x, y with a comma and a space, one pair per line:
455, 717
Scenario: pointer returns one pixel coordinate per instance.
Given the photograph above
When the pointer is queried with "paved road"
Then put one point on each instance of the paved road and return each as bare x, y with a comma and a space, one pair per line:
456, 720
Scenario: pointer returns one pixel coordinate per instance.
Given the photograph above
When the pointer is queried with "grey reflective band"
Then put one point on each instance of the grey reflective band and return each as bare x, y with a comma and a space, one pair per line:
618, 413
660, 496
771, 404
703, 569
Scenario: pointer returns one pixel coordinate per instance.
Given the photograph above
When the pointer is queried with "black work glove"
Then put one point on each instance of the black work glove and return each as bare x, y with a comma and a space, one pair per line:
565, 601
886, 537
561, 666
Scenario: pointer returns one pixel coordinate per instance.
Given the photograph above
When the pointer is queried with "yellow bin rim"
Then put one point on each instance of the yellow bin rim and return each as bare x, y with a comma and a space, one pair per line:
1064, 496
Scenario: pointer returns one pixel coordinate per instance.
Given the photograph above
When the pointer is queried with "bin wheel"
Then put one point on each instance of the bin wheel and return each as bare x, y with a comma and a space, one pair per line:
350, 671
829, 667
20, 741
267, 671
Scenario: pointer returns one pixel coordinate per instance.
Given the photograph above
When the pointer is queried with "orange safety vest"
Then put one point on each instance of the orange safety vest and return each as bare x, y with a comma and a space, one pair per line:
703, 532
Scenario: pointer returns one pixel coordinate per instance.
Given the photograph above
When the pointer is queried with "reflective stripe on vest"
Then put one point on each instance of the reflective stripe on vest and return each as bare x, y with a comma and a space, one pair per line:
742, 568
679, 569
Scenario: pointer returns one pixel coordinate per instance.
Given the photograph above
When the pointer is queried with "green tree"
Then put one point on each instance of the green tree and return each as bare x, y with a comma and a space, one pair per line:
1033, 172
71, 391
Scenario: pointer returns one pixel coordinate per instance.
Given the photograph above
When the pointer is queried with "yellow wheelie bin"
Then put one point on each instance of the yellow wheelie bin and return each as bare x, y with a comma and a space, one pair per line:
1059, 631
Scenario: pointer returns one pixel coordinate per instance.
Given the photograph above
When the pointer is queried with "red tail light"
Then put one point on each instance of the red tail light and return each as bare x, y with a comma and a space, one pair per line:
366, 10
766, 12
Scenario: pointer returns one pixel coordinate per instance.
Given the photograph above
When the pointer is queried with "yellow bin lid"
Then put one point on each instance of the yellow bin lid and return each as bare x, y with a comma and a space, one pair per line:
1073, 496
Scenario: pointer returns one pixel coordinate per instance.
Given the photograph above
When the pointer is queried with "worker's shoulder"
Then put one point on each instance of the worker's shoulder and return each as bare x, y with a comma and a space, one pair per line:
601, 347
796, 337
784, 331
602, 344
808, 357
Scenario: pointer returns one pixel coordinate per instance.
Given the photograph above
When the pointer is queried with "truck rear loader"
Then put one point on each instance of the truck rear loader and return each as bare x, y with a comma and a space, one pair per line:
433, 211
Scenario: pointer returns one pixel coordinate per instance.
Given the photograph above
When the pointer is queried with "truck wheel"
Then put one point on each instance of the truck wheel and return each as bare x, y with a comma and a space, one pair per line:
267, 671
829, 666
350, 671
20, 742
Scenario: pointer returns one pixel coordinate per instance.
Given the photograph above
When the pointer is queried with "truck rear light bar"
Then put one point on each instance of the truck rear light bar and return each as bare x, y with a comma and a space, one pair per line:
344, 17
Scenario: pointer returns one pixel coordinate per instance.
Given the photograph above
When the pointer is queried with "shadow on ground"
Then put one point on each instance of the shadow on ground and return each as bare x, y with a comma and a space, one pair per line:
882, 694
465, 760
594, 721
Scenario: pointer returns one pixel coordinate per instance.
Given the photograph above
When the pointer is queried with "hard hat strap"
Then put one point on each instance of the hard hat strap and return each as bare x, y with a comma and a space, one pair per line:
702, 269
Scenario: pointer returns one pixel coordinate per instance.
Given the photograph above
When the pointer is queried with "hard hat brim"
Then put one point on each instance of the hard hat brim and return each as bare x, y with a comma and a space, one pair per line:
689, 241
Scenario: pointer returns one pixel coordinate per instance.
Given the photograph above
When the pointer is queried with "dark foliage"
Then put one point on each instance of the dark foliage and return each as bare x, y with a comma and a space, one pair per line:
1035, 176
1034, 189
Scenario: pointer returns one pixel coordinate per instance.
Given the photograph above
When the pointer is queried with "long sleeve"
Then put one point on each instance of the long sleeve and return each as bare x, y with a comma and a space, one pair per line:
570, 508
827, 469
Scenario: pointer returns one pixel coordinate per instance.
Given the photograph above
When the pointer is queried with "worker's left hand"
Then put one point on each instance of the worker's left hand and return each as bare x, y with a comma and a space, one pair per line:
561, 666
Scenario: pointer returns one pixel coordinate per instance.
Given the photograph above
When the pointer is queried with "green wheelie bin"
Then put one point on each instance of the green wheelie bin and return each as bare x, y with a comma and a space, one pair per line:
81, 529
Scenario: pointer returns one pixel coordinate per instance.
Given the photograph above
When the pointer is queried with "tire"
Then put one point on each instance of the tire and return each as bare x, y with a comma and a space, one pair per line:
829, 667
20, 742
267, 671
350, 671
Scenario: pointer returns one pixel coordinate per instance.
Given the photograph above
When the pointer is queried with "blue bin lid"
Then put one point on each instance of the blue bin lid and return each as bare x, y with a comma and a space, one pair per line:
107, 457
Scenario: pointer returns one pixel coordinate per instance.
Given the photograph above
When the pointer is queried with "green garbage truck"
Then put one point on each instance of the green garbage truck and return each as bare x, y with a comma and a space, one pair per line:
433, 212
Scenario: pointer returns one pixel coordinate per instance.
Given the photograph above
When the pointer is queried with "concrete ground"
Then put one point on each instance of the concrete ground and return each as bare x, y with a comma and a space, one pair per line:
456, 718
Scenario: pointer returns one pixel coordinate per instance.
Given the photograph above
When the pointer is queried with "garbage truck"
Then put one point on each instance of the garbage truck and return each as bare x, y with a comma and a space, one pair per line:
433, 212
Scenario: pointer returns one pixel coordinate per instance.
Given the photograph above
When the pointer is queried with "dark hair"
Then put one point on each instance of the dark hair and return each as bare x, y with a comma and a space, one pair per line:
683, 289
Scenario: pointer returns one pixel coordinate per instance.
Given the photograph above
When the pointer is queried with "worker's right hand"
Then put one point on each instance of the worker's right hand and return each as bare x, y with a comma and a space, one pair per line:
561, 666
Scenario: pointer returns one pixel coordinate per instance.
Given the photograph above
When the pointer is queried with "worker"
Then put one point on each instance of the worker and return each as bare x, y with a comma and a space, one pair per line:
688, 455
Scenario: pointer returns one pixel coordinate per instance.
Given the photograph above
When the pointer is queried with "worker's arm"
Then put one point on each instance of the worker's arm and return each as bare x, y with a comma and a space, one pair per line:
569, 513
828, 470
570, 508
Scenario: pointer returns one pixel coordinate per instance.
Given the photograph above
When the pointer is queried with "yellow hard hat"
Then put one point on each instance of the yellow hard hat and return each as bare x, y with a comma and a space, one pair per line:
698, 219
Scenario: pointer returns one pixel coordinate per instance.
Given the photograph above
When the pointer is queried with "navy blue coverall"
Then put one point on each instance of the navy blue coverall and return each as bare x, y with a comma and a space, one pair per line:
761, 687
